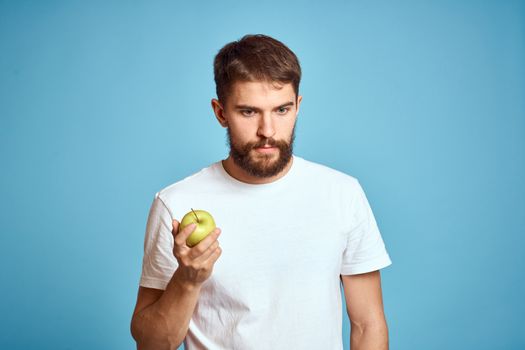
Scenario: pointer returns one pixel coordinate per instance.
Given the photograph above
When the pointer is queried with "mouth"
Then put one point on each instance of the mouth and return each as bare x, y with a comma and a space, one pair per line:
266, 149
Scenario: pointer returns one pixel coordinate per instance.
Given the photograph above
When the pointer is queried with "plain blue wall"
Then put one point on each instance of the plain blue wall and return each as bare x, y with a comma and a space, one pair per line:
104, 103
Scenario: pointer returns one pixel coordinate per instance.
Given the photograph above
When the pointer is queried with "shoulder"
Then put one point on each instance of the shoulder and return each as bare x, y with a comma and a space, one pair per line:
199, 181
320, 172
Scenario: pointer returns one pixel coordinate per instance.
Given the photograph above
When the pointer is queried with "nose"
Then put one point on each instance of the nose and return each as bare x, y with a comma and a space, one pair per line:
266, 126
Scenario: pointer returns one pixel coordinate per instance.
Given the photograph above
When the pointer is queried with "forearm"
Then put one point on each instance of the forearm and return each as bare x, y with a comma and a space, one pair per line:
164, 324
369, 337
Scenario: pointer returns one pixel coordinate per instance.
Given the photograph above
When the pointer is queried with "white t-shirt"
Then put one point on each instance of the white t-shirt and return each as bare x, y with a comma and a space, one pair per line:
284, 246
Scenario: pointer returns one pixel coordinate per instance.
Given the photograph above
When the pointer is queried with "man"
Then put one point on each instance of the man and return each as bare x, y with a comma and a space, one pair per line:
290, 231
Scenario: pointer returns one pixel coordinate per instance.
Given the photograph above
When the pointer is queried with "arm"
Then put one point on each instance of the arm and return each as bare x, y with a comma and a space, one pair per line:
161, 318
364, 305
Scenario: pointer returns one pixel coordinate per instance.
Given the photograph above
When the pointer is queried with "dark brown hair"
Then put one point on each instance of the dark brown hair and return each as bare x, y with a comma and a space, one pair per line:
255, 57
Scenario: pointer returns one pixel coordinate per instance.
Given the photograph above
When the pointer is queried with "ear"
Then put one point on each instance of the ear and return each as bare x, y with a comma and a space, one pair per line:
219, 112
299, 99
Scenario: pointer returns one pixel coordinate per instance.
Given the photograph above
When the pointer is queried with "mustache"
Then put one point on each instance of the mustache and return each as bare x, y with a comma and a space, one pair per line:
267, 142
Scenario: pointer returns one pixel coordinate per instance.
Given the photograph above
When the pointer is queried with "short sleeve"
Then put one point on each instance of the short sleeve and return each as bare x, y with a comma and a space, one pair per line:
365, 250
159, 263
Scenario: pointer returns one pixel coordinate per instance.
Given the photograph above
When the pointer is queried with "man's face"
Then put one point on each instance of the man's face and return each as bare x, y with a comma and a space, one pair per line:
260, 119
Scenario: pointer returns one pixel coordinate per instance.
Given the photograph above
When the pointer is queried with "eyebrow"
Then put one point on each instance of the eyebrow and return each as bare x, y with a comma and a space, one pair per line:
291, 103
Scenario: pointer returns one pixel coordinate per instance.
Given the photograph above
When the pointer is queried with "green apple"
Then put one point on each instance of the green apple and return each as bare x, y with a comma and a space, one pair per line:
205, 225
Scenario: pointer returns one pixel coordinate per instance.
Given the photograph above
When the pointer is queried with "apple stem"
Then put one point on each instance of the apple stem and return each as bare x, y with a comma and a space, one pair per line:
194, 213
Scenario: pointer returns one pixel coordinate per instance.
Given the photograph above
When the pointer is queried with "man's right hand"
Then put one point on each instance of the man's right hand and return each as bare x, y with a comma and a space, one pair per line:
195, 263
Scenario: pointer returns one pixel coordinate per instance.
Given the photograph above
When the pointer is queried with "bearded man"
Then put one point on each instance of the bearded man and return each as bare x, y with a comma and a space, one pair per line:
291, 231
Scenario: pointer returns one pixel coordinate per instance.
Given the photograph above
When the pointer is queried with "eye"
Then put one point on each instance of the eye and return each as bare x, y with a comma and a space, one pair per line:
247, 112
283, 110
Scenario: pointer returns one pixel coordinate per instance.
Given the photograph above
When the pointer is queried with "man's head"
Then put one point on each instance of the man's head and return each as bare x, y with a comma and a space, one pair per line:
257, 82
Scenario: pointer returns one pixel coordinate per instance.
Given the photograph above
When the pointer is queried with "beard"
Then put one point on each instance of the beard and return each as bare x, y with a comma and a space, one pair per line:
263, 165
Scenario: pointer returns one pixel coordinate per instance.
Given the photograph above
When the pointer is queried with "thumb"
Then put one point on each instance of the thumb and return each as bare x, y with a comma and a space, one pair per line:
179, 235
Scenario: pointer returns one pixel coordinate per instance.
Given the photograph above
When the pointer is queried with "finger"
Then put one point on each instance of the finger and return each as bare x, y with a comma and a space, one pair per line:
182, 235
214, 256
204, 256
203, 245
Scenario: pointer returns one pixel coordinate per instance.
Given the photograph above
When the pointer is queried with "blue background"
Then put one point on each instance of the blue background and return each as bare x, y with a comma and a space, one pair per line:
104, 103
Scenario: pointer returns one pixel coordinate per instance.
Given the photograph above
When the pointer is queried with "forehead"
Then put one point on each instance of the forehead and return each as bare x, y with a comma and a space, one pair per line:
260, 93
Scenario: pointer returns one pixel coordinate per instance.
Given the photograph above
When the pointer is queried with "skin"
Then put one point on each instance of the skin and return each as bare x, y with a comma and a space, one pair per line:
161, 318
364, 306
